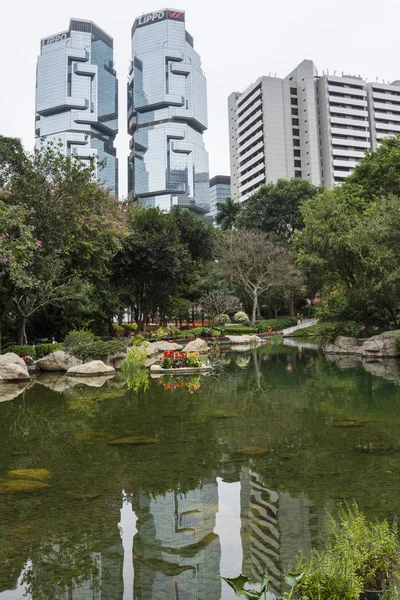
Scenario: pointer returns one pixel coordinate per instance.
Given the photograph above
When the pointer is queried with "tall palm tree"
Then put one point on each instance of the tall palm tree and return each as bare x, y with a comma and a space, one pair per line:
227, 214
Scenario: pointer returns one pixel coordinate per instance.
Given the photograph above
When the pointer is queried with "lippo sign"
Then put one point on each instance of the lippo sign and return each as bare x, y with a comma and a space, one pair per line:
156, 17
55, 38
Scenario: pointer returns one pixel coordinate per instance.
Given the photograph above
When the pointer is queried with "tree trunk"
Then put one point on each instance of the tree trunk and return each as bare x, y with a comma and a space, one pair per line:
22, 333
366, 321
254, 311
0, 333
291, 305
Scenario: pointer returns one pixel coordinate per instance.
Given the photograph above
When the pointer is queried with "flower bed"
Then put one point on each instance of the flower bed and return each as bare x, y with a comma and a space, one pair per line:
179, 360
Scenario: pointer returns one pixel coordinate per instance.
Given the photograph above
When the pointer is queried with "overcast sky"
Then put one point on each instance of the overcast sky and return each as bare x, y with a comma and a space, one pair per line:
237, 41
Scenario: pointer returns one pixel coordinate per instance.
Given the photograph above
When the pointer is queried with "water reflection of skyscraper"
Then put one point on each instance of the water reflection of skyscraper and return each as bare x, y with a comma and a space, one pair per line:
176, 553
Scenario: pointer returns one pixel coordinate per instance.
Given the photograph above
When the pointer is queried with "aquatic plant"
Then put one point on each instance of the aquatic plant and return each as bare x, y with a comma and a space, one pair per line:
238, 585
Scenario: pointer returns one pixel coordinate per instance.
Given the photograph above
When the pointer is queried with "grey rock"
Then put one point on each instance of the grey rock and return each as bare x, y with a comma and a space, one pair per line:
58, 361
157, 347
197, 346
378, 346
13, 368
244, 339
94, 367
10, 390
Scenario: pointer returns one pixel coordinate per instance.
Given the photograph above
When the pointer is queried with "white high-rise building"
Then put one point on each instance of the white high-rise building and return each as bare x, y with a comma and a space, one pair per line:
306, 125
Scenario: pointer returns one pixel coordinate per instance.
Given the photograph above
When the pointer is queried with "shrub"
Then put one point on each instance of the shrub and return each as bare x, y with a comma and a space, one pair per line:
276, 324
137, 340
328, 331
239, 330
199, 332
223, 319
358, 555
165, 332
118, 329
135, 359
241, 317
98, 348
45, 349
78, 337
130, 327
21, 350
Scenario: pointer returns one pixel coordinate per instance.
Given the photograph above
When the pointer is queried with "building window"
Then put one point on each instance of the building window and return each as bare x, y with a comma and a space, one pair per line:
293, 91
297, 173
296, 131
297, 152
297, 163
295, 111
295, 122
294, 101
296, 142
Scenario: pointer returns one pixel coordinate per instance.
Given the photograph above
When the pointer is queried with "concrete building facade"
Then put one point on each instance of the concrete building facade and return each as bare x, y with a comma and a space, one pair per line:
306, 125
77, 96
167, 115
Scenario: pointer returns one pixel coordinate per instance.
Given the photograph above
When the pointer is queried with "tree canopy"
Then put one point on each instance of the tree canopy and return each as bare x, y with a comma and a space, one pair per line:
275, 207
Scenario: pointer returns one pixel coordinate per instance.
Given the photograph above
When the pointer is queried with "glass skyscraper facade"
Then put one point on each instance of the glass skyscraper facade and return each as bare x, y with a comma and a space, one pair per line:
167, 115
220, 190
77, 96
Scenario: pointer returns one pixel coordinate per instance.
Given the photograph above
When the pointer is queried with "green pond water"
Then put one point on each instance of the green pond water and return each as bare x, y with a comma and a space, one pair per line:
150, 489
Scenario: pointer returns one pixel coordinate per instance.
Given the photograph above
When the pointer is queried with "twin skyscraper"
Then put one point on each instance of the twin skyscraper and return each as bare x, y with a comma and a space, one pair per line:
77, 104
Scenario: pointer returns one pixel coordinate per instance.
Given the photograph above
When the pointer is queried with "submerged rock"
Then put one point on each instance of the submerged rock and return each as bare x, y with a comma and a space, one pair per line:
224, 415
37, 474
252, 451
22, 486
374, 448
138, 440
95, 436
77, 495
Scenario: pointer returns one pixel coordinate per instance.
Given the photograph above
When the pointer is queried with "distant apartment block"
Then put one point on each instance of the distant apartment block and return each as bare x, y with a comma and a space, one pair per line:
77, 96
306, 125
220, 190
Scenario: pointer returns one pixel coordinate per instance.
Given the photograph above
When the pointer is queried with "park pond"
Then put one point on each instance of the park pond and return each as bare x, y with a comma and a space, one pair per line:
151, 488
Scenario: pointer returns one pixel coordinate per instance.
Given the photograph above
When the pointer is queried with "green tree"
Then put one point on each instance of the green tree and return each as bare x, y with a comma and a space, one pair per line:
12, 159
227, 214
349, 250
78, 225
275, 207
378, 173
18, 247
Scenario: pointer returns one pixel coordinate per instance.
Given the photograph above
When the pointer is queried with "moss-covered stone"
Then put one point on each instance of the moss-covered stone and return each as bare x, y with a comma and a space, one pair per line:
138, 440
77, 495
36, 474
95, 436
22, 486
252, 451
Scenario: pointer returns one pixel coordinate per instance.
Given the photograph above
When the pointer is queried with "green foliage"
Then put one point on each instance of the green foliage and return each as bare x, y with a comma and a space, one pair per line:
223, 319
238, 585
78, 337
98, 348
118, 329
227, 213
276, 324
328, 331
45, 349
239, 330
165, 332
130, 327
135, 358
358, 555
25, 350
199, 332
275, 207
306, 332
241, 317
12, 159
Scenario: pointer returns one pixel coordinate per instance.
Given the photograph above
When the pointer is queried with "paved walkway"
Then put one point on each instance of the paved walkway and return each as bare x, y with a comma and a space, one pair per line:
305, 323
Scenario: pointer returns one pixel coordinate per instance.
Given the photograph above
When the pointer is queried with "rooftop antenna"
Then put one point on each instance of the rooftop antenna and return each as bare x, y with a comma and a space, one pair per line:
376, 80
334, 72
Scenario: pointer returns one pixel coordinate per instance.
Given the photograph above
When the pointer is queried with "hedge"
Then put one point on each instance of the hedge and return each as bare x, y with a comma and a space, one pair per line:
276, 324
98, 348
